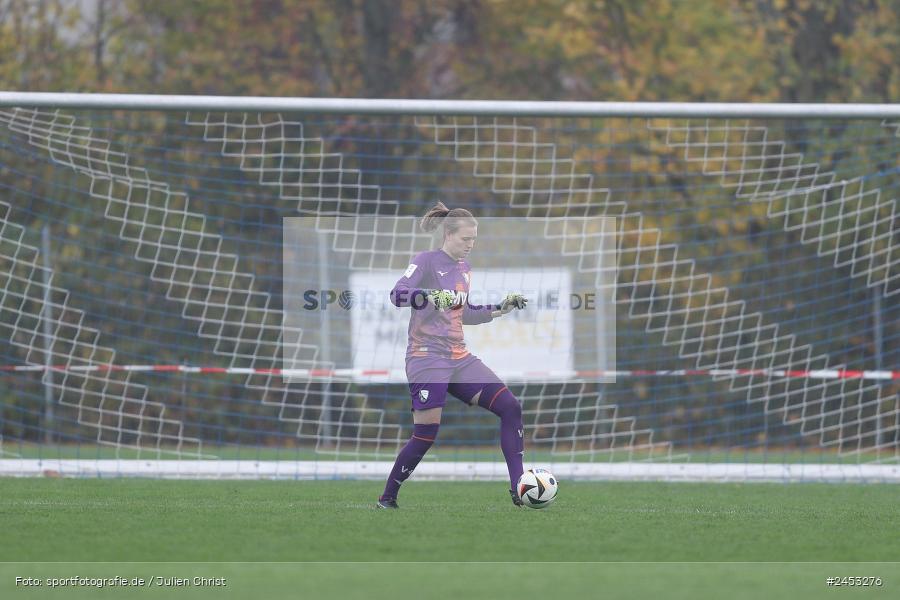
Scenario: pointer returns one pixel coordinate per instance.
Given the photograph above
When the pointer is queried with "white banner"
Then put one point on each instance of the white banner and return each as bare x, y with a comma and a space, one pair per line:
535, 340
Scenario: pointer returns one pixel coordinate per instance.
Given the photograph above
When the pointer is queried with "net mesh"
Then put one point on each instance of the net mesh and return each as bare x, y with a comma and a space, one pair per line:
750, 257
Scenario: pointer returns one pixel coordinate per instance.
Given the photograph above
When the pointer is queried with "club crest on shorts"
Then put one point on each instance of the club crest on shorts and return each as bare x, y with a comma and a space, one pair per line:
423, 396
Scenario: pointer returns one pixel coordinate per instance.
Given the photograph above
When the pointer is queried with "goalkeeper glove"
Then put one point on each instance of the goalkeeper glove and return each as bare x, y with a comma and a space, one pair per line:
441, 299
512, 301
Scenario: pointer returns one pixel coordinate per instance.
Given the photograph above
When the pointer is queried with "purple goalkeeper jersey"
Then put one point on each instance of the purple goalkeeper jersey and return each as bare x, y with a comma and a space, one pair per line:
433, 332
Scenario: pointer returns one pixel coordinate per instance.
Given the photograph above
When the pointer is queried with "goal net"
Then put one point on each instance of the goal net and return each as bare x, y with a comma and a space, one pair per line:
203, 293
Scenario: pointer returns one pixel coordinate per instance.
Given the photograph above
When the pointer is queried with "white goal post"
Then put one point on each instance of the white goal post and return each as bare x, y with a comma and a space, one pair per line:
752, 289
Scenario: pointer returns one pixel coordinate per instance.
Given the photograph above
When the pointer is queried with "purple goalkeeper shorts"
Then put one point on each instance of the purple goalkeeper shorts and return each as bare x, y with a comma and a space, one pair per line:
430, 378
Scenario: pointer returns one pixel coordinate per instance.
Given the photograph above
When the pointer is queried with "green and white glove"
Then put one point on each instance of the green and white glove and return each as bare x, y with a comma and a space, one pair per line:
513, 300
441, 299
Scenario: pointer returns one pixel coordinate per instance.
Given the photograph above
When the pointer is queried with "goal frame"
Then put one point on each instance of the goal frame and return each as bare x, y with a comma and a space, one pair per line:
413, 107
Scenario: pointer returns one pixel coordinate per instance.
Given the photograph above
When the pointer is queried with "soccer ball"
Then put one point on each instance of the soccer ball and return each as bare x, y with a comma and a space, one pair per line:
537, 488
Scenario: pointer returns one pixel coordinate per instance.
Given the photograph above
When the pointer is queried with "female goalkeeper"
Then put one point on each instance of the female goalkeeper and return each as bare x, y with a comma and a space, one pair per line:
436, 287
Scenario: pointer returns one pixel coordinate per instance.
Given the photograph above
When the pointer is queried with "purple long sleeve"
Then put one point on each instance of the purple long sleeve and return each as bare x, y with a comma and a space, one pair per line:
406, 290
475, 314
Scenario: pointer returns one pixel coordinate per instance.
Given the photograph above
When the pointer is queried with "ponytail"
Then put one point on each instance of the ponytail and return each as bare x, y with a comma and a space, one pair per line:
434, 217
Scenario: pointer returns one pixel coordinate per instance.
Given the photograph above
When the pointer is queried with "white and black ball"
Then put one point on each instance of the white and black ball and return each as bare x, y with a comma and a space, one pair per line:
537, 488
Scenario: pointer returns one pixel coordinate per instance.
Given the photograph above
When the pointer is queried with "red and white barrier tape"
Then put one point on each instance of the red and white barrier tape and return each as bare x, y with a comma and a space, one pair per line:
376, 375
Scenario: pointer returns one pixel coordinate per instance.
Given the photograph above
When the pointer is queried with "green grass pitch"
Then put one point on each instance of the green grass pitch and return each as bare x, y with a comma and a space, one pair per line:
325, 539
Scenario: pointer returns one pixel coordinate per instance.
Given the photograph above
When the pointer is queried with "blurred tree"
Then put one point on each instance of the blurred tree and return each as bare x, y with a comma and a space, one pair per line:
805, 39
610, 50
869, 54
729, 50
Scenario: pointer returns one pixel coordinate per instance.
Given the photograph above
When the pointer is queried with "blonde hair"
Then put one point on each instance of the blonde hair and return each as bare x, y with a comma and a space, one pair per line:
451, 219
